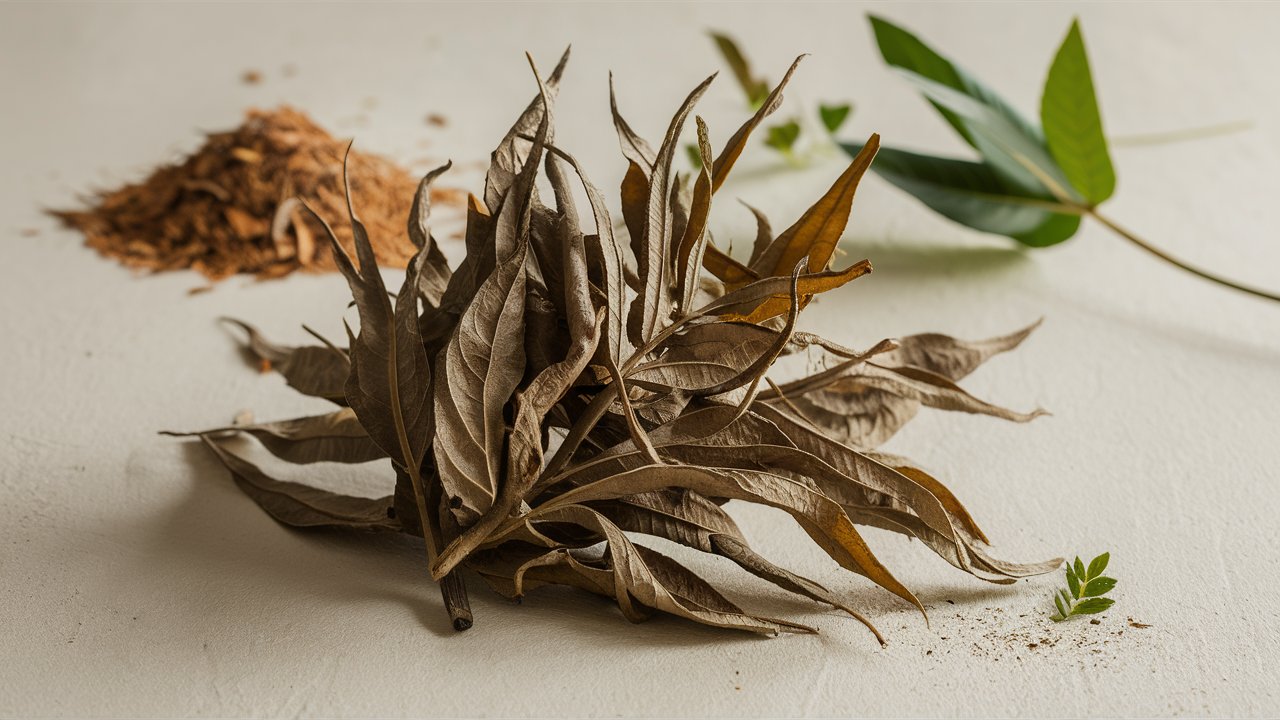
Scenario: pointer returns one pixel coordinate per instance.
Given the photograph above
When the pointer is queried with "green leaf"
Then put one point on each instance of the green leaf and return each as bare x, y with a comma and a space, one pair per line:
1073, 582
695, 155
1092, 606
973, 195
1098, 586
1015, 151
1062, 609
1099, 565
754, 88
833, 116
1072, 123
1079, 568
905, 51
783, 137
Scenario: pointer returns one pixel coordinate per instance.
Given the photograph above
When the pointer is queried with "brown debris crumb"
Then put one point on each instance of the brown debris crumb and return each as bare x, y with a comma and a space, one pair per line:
28, 232
437, 120
1140, 626
226, 209
251, 77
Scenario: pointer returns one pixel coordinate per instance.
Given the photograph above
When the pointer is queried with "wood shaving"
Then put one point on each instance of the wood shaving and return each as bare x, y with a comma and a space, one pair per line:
230, 207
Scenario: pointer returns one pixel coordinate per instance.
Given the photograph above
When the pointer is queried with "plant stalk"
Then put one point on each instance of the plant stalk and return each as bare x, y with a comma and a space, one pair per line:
456, 602
1111, 225
452, 588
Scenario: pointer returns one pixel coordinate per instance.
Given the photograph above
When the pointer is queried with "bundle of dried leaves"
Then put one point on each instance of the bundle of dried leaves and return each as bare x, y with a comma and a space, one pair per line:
564, 389
233, 206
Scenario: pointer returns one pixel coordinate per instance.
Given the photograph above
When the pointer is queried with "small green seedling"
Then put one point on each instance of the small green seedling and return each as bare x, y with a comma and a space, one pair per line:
1085, 588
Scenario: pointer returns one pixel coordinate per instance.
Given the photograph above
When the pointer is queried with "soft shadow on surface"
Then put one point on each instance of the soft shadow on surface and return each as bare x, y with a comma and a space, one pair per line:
923, 260
220, 558
218, 533
970, 594
1177, 330
218, 527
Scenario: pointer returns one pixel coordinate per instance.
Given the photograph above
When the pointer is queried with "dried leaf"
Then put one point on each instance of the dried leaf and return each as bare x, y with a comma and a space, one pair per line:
649, 311
389, 384
432, 269
818, 515
300, 505
655, 581
605, 255
705, 356
335, 437
764, 234
817, 232
767, 298
949, 357
738, 141
310, 369
476, 375
692, 244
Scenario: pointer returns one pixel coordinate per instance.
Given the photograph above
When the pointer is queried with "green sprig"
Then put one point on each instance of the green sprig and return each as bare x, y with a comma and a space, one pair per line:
1031, 182
1085, 588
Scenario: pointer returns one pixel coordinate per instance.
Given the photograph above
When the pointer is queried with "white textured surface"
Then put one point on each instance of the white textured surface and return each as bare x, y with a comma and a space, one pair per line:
136, 580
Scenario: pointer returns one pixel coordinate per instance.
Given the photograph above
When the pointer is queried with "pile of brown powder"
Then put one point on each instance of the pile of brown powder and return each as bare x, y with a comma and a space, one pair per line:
230, 207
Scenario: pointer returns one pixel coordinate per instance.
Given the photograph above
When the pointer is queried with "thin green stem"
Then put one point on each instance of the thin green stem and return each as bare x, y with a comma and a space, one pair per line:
1175, 136
1111, 225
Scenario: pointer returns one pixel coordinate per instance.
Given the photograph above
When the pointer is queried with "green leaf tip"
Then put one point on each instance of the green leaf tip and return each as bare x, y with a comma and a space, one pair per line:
1099, 564
1073, 124
783, 137
695, 155
833, 116
756, 89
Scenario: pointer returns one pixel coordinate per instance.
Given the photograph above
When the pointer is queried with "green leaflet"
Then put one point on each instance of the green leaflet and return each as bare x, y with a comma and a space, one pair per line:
755, 88
833, 116
1014, 151
1072, 124
973, 195
905, 51
695, 156
783, 137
